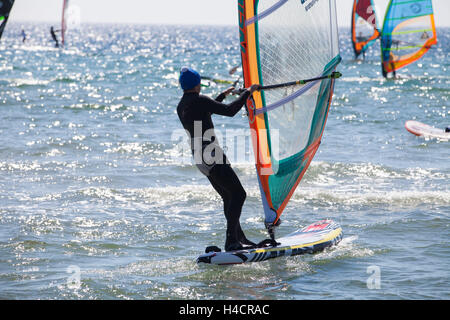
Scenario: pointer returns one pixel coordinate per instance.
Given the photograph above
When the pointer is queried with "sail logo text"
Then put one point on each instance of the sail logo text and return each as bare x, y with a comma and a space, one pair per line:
310, 4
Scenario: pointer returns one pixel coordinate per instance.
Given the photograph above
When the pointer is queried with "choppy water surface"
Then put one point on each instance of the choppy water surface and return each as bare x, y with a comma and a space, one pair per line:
94, 186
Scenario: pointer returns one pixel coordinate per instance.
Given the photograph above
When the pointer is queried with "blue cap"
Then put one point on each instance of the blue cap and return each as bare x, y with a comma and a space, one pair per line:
189, 78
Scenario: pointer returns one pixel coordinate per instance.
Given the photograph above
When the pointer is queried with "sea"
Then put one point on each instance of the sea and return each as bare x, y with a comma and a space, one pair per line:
99, 198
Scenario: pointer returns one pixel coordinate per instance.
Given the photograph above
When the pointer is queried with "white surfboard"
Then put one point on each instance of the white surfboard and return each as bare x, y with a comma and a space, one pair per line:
311, 239
426, 131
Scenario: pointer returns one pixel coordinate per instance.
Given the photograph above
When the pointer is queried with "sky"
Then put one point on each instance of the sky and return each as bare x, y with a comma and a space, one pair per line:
202, 12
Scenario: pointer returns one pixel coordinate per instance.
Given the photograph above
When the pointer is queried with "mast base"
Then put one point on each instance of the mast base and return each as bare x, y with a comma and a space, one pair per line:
271, 230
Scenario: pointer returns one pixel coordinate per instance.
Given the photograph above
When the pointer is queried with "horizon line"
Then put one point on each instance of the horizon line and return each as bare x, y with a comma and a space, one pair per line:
155, 24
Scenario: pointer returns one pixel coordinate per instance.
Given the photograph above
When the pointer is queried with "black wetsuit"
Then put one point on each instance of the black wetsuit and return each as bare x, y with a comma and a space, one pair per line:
52, 32
196, 110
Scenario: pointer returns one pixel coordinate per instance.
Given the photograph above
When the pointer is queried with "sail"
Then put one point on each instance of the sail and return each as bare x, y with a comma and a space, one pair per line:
5, 9
408, 33
283, 41
64, 21
364, 26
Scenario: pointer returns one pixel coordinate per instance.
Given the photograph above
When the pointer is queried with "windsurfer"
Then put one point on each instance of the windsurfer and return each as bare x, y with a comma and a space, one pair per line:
194, 111
392, 59
361, 38
24, 36
447, 129
52, 32
391, 64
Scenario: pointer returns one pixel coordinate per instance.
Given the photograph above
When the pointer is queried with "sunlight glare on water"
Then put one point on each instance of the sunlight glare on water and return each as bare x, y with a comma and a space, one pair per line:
92, 183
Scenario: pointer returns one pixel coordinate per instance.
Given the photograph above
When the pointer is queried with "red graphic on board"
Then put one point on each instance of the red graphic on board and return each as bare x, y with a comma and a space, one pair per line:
317, 226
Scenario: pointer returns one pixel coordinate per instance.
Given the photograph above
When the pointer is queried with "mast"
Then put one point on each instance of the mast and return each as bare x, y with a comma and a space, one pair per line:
64, 21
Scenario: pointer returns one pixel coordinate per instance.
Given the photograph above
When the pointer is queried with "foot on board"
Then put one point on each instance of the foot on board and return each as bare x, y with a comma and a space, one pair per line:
234, 246
268, 243
212, 249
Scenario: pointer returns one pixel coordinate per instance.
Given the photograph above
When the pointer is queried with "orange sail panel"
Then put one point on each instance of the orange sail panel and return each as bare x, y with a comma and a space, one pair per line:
408, 33
283, 41
364, 26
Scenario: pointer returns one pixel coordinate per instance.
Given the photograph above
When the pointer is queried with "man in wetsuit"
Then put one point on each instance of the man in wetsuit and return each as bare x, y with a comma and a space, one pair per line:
24, 36
194, 111
52, 32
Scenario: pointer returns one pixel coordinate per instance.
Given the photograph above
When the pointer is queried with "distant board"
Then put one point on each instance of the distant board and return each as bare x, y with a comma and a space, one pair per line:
311, 239
426, 131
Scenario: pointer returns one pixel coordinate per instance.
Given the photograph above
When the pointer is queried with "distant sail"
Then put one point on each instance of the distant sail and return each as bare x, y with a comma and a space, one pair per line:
5, 9
408, 33
64, 21
283, 41
364, 26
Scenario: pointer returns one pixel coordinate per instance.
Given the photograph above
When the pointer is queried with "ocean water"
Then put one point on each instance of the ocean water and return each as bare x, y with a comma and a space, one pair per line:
99, 200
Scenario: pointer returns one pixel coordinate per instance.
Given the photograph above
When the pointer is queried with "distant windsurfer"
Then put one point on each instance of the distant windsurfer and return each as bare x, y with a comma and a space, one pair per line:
52, 32
24, 36
394, 73
392, 65
361, 38
194, 111
396, 43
